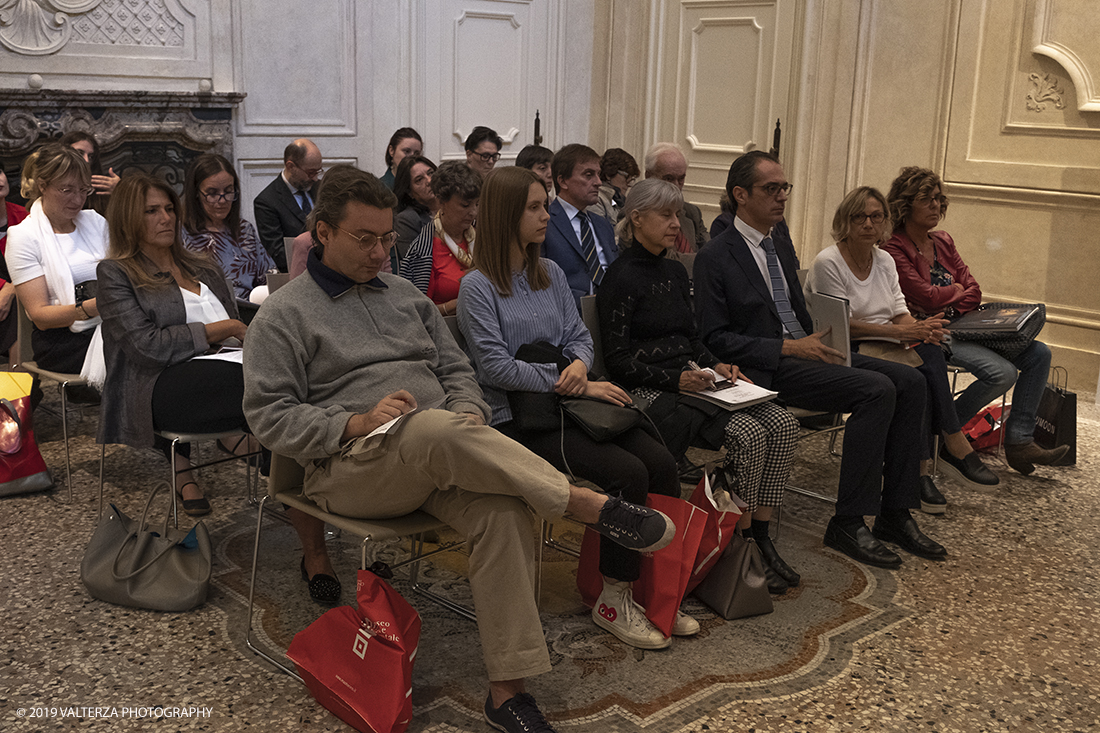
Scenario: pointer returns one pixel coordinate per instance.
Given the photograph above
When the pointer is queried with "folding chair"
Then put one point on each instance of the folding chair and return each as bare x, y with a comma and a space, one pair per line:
285, 485
63, 380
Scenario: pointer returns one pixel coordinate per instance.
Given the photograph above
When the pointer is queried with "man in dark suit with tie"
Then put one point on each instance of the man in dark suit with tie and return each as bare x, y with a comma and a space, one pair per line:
281, 208
583, 246
752, 313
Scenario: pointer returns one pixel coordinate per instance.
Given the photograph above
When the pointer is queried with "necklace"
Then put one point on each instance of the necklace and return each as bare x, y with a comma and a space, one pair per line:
862, 267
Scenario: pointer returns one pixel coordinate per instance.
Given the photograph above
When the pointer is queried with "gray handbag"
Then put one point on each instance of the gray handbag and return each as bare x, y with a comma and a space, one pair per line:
735, 587
128, 564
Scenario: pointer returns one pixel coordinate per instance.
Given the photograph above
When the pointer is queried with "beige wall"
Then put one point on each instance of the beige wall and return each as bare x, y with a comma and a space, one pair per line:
865, 87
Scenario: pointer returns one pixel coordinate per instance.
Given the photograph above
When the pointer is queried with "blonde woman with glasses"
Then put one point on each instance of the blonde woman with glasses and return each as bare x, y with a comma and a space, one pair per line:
52, 256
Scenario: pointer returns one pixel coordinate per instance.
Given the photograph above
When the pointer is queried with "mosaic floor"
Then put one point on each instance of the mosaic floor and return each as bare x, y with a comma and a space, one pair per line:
1000, 637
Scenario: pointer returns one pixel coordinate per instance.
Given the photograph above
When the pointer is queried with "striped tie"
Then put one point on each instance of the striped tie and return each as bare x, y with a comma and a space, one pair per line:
779, 293
588, 248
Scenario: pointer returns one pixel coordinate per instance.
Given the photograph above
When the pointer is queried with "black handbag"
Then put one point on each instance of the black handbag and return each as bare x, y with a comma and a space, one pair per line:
1056, 420
546, 411
1008, 344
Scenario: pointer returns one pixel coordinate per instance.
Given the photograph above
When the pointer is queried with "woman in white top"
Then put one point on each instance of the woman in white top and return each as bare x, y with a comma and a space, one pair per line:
52, 257
856, 269
162, 306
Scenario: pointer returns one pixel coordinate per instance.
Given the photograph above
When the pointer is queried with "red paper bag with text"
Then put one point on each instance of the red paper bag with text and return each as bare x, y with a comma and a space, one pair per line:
723, 509
358, 664
665, 573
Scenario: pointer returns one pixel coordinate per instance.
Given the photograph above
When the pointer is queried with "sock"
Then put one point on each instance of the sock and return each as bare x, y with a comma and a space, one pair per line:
760, 529
895, 516
849, 522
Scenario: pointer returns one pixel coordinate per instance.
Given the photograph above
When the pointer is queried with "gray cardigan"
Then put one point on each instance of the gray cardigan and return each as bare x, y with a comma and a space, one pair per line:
144, 331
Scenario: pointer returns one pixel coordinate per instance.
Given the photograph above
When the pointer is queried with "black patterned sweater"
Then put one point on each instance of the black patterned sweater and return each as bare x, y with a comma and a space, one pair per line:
646, 321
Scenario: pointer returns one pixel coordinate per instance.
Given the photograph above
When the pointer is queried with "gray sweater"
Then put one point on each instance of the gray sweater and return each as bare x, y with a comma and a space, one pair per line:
312, 361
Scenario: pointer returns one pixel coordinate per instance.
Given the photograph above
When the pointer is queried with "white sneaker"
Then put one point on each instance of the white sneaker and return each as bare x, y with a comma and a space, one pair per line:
684, 625
616, 611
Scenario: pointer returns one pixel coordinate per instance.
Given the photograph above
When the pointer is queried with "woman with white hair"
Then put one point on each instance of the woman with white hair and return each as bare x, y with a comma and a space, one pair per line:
651, 346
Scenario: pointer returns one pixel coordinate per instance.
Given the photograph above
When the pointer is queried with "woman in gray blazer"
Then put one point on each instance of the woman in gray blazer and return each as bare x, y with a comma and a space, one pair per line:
162, 306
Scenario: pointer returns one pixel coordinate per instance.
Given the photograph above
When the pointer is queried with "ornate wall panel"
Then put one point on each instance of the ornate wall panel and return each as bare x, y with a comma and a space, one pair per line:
490, 62
300, 77
1057, 32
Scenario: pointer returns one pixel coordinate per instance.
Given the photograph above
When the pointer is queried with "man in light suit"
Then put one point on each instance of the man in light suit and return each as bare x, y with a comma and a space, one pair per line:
752, 313
667, 162
281, 208
583, 246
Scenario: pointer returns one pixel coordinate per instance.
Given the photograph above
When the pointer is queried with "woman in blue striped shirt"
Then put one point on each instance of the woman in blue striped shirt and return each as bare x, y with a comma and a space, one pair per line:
513, 298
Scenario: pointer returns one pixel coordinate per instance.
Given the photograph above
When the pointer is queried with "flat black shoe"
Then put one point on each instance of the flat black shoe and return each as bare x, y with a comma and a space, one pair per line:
931, 500
861, 547
907, 536
969, 471
772, 558
689, 472
193, 507
324, 589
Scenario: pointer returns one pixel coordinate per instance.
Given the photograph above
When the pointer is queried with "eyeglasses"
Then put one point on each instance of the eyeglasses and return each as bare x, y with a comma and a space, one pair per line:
214, 197
929, 200
67, 191
311, 172
488, 157
369, 241
774, 189
877, 218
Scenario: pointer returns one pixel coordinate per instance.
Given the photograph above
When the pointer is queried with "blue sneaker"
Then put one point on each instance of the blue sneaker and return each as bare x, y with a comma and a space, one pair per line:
634, 527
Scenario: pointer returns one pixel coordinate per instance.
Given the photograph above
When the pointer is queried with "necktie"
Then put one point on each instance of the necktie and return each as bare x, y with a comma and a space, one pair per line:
303, 201
779, 294
588, 249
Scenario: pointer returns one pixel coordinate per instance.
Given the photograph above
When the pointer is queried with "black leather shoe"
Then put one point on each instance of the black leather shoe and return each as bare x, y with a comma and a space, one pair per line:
862, 547
772, 558
689, 472
931, 500
907, 536
969, 471
776, 585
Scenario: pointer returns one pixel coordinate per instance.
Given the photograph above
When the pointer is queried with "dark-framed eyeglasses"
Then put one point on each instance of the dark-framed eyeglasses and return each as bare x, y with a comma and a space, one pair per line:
774, 189
214, 197
369, 241
488, 157
876, 218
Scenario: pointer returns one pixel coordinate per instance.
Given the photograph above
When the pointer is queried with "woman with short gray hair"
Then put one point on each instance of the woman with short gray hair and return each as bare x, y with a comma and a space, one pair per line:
651, 346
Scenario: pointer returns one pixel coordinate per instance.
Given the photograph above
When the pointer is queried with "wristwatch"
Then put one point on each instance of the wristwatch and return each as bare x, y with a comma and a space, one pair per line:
80, 305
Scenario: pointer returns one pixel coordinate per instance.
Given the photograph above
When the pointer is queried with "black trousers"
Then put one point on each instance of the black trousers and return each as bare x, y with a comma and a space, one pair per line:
59, 349
940, 415
630, 466
882, 438
204, 396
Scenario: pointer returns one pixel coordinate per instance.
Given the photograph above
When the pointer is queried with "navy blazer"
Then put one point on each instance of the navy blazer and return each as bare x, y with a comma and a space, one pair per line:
278, 214
737, 317
563, 247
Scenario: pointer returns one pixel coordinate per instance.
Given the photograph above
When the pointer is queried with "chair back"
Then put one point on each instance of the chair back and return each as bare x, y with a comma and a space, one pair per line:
276, 280
23, 339
288, 248
688, 261
452, 324
286, 475
591, 318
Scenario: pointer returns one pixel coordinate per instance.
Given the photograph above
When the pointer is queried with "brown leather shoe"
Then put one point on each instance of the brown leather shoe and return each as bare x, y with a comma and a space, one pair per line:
1023, 457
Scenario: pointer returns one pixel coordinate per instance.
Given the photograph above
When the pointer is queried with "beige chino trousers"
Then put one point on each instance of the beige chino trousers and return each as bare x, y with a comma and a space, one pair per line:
482, 484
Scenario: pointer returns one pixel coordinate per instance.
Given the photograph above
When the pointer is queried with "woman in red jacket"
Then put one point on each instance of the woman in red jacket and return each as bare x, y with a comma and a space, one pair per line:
935, 279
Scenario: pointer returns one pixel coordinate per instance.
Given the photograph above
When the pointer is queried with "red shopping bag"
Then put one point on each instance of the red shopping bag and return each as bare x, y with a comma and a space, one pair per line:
723, 508
22, 469
665, 573
984, 429
358, 664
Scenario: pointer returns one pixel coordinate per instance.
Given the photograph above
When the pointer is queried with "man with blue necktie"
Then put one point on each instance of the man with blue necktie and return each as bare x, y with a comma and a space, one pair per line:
583, 246
752, 313
281, 208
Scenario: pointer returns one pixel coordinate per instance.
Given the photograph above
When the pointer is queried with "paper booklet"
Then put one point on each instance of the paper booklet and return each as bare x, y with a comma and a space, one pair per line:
1003, 319
831, 312
734, 396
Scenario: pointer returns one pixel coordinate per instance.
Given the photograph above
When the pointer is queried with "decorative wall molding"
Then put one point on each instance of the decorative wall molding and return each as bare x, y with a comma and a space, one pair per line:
130, 23
1061, 34
1044, 89
39, 27
693, 76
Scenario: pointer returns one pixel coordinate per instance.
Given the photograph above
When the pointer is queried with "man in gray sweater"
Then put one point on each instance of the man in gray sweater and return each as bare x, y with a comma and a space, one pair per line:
343, 350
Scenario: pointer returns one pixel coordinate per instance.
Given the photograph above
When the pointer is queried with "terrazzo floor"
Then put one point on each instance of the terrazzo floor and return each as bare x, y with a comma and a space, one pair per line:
1002, 636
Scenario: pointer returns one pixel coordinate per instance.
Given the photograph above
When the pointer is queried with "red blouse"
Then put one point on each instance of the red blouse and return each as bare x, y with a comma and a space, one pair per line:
446, 272
16, 214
